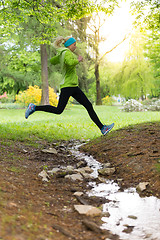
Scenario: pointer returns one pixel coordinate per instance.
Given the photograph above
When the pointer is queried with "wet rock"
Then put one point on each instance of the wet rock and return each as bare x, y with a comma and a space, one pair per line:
44, 175
82, 200
106, 214
50, 150
84, 170
61, 174
74, 189
92, 200
63, 231
88, 169
75, 177
78, 194
132, 217
128, 229
69, 168
54, 170
107, 171
92, 226
81, 164
87, 210
106, 165
76, 174
142, 186
87, 176
101, 179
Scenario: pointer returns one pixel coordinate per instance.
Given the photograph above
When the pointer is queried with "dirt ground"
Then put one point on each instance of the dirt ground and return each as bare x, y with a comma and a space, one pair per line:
33, 210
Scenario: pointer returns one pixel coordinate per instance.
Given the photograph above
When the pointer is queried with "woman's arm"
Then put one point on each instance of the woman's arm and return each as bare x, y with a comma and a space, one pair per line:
70, 59
55, 60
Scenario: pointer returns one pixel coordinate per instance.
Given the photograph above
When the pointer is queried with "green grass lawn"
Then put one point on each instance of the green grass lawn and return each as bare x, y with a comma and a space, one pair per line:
73, 123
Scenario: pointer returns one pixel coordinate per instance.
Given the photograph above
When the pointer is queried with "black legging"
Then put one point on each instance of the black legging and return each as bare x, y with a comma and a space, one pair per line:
80, 97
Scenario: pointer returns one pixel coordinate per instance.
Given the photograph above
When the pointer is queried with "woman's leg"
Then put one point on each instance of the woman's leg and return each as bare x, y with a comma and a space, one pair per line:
63, 99
82, 99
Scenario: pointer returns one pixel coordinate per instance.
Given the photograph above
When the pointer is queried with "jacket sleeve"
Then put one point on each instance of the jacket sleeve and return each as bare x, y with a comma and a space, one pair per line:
55, 60
70, 59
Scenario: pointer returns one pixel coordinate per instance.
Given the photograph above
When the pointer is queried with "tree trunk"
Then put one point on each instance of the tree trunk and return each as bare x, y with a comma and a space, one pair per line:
98, 87
44, 75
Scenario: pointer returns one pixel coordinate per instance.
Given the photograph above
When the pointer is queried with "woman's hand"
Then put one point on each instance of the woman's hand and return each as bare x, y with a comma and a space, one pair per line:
80, 58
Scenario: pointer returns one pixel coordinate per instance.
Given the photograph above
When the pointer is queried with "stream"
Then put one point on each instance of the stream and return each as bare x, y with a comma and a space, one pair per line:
130, 216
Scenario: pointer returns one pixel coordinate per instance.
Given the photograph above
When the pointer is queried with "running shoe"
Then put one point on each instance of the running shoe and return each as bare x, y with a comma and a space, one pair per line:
30, 109
106, 128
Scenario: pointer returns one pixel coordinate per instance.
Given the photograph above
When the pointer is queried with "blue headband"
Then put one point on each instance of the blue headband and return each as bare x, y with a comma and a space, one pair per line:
69, 42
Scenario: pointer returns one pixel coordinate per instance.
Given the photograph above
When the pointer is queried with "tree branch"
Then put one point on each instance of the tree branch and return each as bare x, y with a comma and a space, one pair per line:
91, 29
111, 49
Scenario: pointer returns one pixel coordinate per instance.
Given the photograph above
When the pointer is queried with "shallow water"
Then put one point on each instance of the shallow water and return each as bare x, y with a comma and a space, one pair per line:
141, 215
131, 217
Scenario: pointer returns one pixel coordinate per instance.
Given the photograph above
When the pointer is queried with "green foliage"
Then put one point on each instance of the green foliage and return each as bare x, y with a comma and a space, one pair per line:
147, 13
148, 18
152, 49
135, 77
47, 13
20, 64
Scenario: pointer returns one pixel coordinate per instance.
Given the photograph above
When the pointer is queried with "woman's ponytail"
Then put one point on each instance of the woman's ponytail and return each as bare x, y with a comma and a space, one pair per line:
59, 40
57, 43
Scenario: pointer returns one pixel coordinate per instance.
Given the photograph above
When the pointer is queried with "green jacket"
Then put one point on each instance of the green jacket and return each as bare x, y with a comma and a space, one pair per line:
68, 62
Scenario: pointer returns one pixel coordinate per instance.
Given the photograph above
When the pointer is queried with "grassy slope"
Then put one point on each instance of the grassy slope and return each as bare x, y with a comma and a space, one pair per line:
73, 123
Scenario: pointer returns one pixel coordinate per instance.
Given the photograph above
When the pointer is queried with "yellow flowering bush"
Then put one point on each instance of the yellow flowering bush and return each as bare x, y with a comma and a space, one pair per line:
107, 100
52, 97
33, 95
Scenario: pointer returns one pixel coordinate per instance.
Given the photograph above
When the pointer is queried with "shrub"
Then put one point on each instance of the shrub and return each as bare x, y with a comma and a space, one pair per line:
152, 105
7, 98
133, 106
10, 106
107, 100
33, 94
52, 97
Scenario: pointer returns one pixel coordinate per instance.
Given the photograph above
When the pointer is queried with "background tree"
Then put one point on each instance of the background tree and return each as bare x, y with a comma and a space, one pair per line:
135, 77
19, 66
94, 41
152, 48
47, 13
148, 18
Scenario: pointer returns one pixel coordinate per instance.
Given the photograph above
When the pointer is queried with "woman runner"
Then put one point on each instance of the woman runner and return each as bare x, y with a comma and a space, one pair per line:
69, 85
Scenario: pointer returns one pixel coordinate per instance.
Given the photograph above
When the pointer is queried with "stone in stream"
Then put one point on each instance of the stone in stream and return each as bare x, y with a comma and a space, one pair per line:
88, 210
142, 186
75, 177
106, 171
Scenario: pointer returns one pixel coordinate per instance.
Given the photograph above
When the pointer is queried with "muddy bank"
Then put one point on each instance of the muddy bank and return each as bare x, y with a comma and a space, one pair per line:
134, 152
